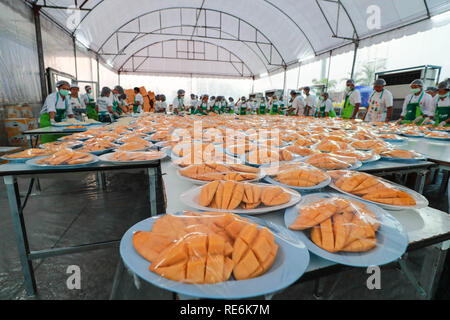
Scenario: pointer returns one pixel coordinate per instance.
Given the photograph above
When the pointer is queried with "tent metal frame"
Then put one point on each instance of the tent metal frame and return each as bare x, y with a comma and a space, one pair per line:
355, 39
269, 58
194, 53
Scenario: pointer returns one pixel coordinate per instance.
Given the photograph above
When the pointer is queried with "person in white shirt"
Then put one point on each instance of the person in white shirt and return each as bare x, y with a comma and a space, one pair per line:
325, 108
119, 105
77, 104
243, 107
310, 102
442, 105
432, 91
193, 103
138, 103
352, 101
202, 107
178, 102
163, 104
418, 106
298, 104
55, 109
381, 103
105, 106
89, 102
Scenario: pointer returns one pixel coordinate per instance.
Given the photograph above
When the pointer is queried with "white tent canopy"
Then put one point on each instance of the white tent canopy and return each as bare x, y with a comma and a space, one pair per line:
229, 38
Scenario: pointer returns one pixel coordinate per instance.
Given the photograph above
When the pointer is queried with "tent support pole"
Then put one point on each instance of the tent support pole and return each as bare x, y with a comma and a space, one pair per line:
298, 75
354, 58
118, 77
253, 85
40, 51
75, 56
98, 76
284, 81
329, 67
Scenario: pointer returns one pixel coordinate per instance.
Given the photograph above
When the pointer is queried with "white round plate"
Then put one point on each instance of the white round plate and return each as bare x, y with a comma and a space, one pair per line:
421, 201
392, 239
191, 197
106, 158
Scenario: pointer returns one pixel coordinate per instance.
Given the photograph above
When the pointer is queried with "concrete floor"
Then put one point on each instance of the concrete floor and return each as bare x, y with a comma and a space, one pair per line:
71, 210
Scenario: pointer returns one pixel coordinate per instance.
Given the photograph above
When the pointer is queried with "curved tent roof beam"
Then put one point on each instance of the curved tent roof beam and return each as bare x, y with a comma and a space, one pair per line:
296, 24
187, 40
268, 2
156, 32
205, 10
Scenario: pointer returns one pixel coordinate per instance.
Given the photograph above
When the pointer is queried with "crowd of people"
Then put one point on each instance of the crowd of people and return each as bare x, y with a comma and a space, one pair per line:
421, 106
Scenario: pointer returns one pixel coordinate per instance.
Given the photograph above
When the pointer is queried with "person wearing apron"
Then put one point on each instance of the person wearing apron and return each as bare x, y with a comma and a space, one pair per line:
203, 106
223, 105
243, 106
105, 106
138, 101
380, 103
230, 106
325, 107
178, 102
262, 109
193, 103
352, 101
418, 106
119, 107
55, 109
89, 102
274, 106
283, 109
442, 112
76, 103
310, 102
298, 104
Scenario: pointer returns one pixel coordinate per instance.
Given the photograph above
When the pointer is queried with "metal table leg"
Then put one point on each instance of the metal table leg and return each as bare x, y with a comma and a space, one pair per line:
100, 178
119, 271
152, 183
420, 180
445, 178
21, 234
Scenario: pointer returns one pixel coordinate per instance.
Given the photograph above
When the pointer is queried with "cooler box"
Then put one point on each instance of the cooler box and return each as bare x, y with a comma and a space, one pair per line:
27, 111
13, 112
20, 124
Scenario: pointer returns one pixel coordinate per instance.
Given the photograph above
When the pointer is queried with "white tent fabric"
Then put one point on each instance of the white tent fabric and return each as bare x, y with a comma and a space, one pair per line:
263, 35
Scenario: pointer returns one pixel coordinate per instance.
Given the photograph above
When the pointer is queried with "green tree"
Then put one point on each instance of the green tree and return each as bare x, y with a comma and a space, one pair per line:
331, 83
366, 73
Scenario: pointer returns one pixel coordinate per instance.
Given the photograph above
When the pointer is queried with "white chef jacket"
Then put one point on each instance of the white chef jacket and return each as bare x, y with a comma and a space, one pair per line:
103, 103
426, 104
440, 102
177, 104
328, 105
299, 105
378, 104
355, 97
55, 101
311, 102
139, 99
85, 98
76, 103
245, 105
194, 103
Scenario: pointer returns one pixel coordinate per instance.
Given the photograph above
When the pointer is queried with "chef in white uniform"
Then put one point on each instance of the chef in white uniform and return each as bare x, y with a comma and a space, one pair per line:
78, 106
178, 102
381, 102
418, 106
138, 103
298, 104
105, 106
310, 102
